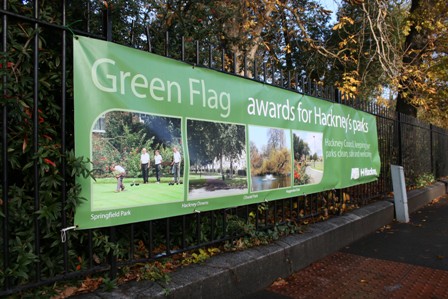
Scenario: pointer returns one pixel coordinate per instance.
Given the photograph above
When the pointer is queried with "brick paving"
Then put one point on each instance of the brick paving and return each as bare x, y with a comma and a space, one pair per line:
401, 260
345, 275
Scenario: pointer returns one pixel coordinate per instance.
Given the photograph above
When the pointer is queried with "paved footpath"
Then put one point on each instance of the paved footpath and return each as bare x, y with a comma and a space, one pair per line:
401, 260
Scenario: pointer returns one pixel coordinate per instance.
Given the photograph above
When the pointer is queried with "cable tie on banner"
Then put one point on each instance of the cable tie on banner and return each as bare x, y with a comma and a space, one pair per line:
64, 232
69, 28
196, 211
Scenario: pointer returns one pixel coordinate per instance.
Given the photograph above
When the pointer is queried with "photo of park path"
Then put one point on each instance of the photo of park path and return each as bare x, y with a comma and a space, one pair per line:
217, 159
314, 174
214, 186
308, 157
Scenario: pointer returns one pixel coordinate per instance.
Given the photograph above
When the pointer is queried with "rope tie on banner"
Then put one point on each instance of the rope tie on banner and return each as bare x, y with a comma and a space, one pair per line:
64, 232
69, 28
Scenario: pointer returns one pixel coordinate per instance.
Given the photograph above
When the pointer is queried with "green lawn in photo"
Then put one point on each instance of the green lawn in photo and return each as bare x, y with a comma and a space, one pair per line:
318, 165
104, 196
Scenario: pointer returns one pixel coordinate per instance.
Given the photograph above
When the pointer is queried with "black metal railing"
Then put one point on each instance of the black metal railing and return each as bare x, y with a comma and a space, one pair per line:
31, 219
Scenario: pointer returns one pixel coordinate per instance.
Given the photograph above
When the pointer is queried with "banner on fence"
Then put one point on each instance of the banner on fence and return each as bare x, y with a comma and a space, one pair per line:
212, 140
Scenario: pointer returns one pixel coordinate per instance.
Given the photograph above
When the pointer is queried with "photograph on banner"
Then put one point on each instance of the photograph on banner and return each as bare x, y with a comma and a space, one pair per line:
270, 158
308, 157
132, 154
217, 156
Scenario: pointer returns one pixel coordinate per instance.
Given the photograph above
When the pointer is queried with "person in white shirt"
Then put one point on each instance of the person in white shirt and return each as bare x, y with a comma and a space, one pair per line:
176, 165
157, 163
119, 173
144, 162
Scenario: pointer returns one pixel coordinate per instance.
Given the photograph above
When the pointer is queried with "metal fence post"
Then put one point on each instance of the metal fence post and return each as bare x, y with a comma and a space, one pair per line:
400, 152
5, 182
431, 149
107, 22
107, 32
36, 140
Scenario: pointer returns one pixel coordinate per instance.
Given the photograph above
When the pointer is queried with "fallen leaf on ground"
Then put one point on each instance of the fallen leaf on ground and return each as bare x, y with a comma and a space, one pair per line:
67, 292
279, 282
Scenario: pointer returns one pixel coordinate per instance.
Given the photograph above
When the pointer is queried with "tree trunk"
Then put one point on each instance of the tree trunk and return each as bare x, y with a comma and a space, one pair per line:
222, 170
413, 42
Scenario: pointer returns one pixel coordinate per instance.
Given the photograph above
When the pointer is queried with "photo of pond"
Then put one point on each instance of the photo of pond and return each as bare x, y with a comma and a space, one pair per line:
270, 158
270, 181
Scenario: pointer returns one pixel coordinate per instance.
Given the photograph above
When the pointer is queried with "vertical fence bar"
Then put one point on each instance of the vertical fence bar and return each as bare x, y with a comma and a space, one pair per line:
431, 149
63, 130
223, 63
296, 82
212, 225
234, 64
224, 223
5, 179
264, 71
107, 31
184, 221
275, 212
257, 219
281, 79
112, 258
399, 128
132, 34
90, 249
167, 236
148, 38
151, 237
198, 228
245, 66
291, 199
182, 49
283, 209
107, 22
88, 17
310, 87
36, 140
210, 56
302, 83
167, 43
131, 241
266, 214
197, 53
255, 76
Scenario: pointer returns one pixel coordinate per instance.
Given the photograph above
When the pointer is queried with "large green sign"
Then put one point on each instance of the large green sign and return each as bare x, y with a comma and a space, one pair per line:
237, 141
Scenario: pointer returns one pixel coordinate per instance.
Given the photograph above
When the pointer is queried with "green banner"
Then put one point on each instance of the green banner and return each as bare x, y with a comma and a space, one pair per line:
221, 140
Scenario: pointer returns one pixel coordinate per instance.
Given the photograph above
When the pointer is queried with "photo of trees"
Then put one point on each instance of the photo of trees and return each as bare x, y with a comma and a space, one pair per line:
217, 155
308, 157
118, 137
270, 158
